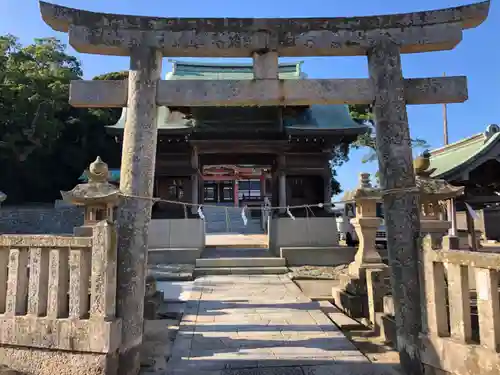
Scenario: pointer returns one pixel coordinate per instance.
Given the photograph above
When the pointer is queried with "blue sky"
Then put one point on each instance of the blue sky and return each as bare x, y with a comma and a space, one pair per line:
477, 57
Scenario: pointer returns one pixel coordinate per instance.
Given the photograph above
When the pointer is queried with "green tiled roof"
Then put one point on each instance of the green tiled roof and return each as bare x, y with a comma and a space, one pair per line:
451, 158
335, 117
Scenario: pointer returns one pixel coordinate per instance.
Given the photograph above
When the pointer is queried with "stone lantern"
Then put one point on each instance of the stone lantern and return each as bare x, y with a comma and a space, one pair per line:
433, 192
352, 293
366, 224
98, 197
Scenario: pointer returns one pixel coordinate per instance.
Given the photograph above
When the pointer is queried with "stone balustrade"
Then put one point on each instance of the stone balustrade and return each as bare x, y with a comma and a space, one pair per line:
59, 293
460, 312
468, 325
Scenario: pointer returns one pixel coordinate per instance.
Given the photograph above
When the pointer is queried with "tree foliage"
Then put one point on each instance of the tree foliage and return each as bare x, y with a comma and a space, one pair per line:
340, 156
45, 144
363, 114
109, 115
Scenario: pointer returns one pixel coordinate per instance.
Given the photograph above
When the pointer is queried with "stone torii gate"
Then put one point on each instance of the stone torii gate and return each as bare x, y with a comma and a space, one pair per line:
381, 38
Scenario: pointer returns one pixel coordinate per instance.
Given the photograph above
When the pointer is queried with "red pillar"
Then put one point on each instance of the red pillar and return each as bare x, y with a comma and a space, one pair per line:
236, 193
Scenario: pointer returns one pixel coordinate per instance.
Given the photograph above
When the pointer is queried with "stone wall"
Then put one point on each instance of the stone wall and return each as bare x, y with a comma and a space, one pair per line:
42, 219
302, 232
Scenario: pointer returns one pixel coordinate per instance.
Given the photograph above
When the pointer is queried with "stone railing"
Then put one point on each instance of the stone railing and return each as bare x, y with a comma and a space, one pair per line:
59, 293
462, 323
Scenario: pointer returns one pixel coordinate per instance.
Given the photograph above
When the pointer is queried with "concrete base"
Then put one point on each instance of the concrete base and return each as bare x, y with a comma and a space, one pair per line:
302, 232
317, 289
463, 239
173, 256
175, 291
388, 331
176, 234
49, 362
317, 256
341, 320
355, 306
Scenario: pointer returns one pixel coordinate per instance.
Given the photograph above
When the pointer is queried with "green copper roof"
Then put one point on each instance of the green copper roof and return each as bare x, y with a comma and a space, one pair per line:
455, 156
197, 70
334, 117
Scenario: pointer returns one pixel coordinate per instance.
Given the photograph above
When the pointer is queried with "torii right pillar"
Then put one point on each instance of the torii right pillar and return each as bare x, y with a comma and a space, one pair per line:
401, 199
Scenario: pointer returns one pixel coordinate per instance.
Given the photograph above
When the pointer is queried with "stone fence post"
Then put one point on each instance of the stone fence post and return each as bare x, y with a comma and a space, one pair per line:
103, 282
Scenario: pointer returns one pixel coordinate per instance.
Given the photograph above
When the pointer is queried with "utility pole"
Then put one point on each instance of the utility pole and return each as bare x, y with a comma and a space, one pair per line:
452, 210
445, 121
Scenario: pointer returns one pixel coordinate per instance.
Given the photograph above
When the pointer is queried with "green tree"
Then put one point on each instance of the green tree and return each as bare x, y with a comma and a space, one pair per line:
45, 143
339, 157
109, 116
34, 90
363, 114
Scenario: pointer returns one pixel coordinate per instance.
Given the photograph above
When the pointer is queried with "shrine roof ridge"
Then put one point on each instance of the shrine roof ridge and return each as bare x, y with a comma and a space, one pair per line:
60, 18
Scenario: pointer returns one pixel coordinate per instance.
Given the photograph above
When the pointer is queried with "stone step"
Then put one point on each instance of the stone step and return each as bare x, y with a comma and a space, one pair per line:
240, 271
259, 246
240, 262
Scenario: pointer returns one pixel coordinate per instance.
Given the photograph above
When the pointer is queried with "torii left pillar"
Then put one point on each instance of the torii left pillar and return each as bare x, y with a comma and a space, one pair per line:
134, 215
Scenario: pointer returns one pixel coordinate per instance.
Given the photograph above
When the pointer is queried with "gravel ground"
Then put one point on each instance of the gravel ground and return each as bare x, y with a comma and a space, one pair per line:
171, 272
317, 272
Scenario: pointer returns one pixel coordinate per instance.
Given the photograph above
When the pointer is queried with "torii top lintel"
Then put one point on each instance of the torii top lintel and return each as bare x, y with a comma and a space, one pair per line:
115, 34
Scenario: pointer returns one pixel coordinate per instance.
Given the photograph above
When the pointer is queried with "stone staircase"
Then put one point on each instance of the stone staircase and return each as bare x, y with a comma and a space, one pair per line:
225, 218
231, 261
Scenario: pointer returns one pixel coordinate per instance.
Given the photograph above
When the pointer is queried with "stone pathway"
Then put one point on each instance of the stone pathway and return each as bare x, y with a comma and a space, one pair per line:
260, 325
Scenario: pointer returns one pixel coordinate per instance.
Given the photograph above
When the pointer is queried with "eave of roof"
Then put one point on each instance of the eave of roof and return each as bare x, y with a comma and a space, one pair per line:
451, 158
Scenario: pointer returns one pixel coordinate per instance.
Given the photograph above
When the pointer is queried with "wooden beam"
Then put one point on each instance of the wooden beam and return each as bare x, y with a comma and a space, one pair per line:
194, 93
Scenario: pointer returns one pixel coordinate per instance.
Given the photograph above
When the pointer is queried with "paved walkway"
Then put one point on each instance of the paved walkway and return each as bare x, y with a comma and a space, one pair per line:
250, 325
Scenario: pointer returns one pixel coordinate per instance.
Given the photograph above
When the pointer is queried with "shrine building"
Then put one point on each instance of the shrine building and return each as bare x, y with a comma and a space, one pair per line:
237, 156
